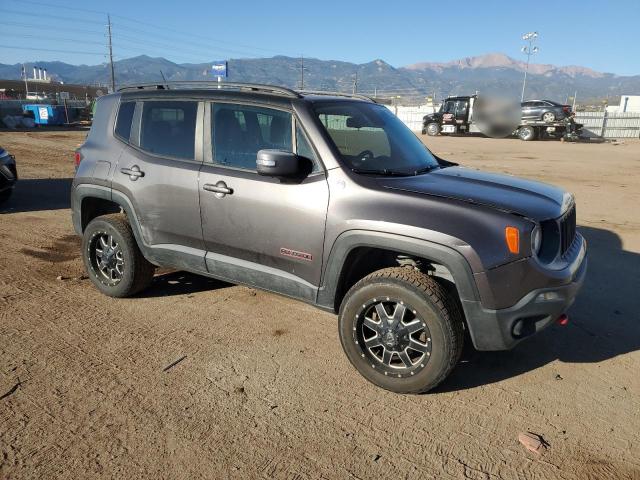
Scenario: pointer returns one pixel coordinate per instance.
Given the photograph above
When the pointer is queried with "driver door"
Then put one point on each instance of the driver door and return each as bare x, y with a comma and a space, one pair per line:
259, 230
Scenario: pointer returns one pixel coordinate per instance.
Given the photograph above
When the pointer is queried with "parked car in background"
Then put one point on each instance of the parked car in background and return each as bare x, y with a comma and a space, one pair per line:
544, 110
8, 174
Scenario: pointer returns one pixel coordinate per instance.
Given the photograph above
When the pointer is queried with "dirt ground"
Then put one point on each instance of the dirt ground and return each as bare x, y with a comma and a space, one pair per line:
261, 388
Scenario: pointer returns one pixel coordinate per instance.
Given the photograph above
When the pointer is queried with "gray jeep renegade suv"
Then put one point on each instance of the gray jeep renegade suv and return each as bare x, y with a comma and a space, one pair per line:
331, 200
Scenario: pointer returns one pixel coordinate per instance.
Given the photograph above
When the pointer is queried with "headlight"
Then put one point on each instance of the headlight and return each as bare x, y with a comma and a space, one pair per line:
536, 240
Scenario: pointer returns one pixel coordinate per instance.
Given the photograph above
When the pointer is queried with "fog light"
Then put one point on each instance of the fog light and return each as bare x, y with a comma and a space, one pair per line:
548, 297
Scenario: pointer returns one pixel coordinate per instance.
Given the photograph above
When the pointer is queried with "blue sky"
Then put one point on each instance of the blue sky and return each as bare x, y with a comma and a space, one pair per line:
603, 35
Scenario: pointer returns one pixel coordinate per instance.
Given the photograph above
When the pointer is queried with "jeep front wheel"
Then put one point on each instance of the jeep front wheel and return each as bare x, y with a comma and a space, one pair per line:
401, 330
112, 259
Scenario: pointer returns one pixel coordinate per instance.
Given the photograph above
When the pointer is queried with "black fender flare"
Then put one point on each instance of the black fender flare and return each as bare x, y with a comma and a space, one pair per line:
446, 256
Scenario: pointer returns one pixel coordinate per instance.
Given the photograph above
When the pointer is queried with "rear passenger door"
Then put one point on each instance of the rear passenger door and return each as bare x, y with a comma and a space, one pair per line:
260, 230
158, 173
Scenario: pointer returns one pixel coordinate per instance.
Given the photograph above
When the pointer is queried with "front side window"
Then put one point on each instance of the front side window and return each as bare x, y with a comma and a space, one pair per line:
239, 131
371, 139
123, 123
168, 128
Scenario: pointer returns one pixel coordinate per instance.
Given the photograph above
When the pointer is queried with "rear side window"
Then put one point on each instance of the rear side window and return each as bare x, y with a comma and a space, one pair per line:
168, 128
239, 131
123, 123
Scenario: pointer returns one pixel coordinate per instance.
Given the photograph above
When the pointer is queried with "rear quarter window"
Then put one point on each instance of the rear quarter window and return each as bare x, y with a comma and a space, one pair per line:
123, 122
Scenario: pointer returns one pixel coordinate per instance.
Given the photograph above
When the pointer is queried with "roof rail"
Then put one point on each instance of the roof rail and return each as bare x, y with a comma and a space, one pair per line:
204, 84
338, 94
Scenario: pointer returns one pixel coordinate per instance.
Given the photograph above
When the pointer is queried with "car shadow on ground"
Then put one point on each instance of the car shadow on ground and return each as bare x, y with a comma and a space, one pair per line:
34, 194
181, 283
604, 322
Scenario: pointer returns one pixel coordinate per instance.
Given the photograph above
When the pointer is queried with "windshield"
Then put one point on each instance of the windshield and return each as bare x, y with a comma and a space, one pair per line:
371, 139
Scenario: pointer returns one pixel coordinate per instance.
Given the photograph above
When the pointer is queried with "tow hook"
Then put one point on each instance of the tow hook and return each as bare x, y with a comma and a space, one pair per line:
563, 319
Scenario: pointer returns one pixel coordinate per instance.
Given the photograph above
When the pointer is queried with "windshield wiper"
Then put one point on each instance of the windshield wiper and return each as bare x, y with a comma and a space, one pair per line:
425, 169
381, 171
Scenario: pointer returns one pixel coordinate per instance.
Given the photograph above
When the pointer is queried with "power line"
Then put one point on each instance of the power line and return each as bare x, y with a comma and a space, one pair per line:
58, 39
44, 27
57, 17
51, 50
137, 22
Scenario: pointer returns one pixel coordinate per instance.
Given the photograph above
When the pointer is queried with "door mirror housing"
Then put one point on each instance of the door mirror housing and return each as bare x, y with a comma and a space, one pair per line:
278, 163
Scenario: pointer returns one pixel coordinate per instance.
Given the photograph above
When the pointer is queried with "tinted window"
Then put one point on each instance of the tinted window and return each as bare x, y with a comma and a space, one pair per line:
168, 128
125, 116
239, 131
370, 138
304, 148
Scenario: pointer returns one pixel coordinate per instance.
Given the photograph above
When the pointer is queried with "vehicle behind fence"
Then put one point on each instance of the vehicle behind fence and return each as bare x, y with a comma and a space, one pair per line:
596, 124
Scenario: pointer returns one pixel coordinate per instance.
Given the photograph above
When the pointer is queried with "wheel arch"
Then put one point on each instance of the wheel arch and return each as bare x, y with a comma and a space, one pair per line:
91, 201
357, 253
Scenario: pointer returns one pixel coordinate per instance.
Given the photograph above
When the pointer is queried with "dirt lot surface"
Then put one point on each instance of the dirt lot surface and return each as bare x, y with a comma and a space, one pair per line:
262, 388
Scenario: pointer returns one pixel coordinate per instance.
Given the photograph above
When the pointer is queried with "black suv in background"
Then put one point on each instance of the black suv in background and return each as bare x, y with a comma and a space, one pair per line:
8, 174
544, 110
331, 200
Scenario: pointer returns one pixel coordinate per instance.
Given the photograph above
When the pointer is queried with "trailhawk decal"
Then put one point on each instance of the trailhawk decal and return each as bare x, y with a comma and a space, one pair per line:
295, 254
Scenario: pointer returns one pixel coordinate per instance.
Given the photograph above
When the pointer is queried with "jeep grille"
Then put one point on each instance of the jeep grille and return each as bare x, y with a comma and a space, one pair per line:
567, 226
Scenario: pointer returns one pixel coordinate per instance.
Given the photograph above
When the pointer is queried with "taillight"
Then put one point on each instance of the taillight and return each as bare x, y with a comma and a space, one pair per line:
77, 158
512, 237
566, 108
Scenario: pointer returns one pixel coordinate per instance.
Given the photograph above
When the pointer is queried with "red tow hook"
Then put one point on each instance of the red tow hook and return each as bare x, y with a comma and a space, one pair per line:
563, 319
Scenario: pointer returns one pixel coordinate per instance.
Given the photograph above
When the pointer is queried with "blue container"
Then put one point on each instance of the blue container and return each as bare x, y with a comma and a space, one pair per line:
44, 114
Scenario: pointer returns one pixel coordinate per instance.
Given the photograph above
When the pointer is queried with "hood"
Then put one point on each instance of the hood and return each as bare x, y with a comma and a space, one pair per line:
528, 198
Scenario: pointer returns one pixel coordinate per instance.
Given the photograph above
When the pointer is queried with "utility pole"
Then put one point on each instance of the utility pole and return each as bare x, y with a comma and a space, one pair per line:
301, 72
113, 77
355, 83
26, 85
528, 50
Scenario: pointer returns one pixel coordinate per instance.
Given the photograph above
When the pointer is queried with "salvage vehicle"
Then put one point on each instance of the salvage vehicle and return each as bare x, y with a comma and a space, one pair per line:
329, 199
544, 110
458, 115
8, 174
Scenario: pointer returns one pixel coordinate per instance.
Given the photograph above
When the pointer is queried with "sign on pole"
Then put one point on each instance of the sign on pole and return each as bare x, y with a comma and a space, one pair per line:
219, 69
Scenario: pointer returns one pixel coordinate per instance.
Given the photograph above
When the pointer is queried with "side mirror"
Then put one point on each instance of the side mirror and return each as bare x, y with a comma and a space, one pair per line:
278, 163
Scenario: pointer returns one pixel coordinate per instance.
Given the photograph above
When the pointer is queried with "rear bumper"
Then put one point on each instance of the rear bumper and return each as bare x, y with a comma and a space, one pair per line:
502, 329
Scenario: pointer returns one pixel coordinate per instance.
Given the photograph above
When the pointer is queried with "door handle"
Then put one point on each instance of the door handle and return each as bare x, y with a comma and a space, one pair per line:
220, 189
134, 172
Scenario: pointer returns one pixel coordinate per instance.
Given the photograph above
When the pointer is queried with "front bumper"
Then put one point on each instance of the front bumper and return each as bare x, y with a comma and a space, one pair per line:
502, 329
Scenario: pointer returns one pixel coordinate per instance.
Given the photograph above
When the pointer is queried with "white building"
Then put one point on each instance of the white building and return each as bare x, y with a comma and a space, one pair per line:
629, 103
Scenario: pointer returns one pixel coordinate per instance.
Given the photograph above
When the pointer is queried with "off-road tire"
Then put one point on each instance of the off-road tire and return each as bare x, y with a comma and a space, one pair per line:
138, 271
527, 133
433, 305
433, 129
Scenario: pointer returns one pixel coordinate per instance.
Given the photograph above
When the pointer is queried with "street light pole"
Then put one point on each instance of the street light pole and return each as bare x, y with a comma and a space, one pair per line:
528, 50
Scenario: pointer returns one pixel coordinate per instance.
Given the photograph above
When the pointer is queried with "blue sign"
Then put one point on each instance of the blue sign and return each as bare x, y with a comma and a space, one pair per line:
219, 69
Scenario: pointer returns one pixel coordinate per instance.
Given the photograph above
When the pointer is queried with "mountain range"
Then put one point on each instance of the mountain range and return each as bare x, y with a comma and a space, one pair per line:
491, 73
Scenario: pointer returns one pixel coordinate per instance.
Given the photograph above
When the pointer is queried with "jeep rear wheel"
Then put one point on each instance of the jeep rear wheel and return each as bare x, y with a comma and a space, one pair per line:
112, 258
401, 330
433, 129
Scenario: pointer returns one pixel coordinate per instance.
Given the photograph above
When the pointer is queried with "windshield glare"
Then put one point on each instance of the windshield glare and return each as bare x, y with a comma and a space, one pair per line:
371, 138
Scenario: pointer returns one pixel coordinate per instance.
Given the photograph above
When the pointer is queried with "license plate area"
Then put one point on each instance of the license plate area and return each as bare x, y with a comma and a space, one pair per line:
449, 128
